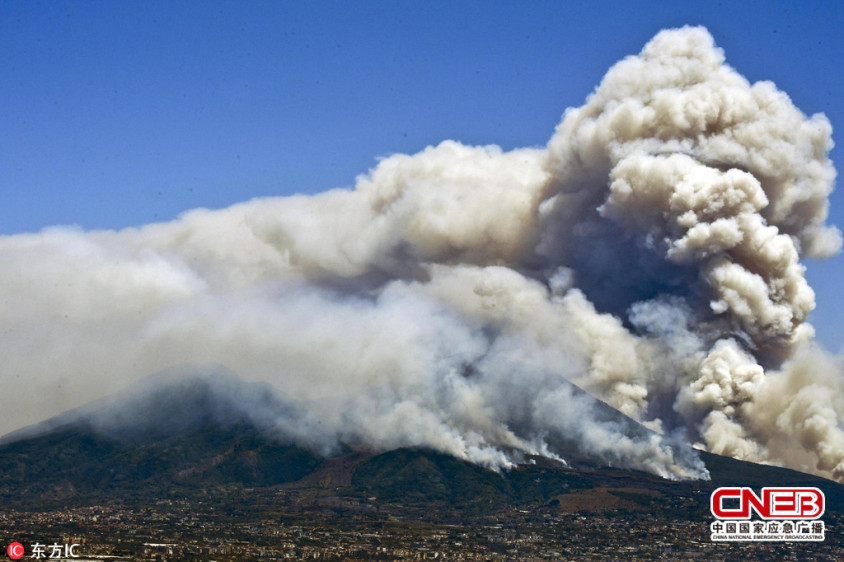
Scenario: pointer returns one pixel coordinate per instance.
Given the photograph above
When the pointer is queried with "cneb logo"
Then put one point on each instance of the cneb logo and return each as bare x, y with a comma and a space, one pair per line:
775, 503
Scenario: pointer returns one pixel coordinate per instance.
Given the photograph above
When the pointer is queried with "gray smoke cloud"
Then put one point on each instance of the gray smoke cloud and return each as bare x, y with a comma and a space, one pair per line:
649, 254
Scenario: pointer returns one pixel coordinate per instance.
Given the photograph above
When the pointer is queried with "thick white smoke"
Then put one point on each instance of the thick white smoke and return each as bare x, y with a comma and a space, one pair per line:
649, 255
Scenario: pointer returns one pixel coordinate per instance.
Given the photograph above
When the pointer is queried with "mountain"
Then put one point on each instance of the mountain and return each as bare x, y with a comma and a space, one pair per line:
167, 403
186, 467
189, 434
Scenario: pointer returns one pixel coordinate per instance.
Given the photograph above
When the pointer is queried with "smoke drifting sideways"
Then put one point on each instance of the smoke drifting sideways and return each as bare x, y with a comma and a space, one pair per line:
649, 254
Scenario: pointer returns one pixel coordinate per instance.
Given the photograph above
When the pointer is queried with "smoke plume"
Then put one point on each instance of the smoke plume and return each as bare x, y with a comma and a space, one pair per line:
649, 255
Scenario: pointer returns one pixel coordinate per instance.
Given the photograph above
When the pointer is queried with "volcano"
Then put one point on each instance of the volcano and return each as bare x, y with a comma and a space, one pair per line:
166, 468
187, 433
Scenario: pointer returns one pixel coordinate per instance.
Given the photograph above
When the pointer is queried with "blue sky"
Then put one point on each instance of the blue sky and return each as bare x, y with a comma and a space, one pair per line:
120, 114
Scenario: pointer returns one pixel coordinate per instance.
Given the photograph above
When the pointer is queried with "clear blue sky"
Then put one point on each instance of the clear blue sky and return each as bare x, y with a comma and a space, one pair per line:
115, 114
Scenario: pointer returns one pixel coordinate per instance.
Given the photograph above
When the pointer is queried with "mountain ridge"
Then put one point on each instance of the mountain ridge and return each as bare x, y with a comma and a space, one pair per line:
212, 443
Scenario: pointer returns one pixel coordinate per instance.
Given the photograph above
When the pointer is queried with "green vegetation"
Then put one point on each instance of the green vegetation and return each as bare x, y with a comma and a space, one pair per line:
414, 476
79, 463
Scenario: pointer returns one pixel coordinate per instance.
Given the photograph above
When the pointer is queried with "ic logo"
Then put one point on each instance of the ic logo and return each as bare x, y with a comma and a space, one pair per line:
15, 551
775, 503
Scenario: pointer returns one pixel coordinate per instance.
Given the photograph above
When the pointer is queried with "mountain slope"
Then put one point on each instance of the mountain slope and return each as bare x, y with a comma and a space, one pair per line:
195, 435
77, 463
